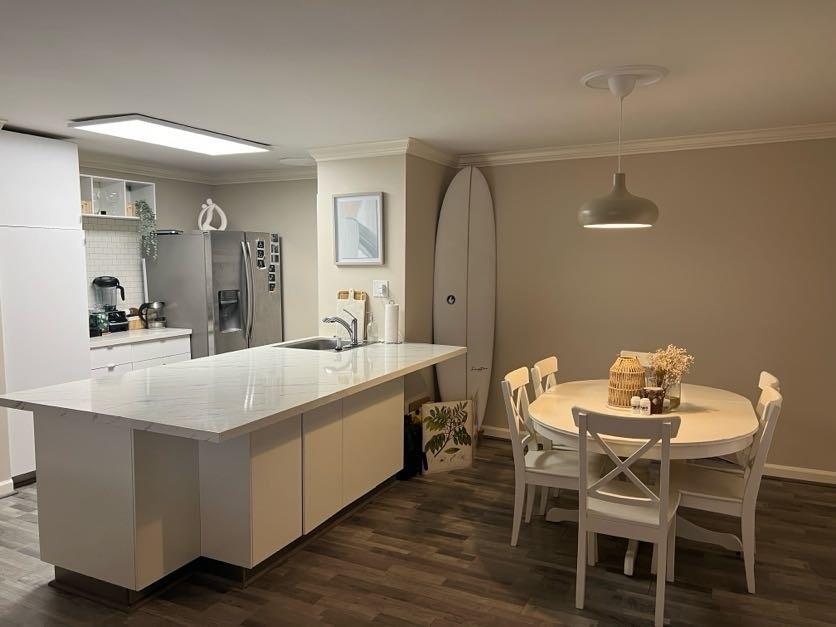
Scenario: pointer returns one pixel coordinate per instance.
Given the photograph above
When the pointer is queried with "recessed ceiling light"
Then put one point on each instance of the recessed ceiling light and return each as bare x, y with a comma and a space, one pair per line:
143, 128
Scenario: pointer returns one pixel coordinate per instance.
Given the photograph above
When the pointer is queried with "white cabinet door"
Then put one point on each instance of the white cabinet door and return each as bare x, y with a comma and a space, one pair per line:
155, 349
372, 438
161, 361
40, 347
109, 356
322, 459
39, 185
98, 373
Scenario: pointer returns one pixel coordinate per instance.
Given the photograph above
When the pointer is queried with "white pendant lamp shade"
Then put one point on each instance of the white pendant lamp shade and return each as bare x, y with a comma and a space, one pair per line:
620, 209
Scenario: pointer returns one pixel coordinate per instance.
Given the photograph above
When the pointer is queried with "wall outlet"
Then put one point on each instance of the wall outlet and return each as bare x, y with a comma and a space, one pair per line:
380, 289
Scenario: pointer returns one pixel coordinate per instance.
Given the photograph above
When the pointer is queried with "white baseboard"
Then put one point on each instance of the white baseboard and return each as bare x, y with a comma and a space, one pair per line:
770, 470
496, 432
7, 487
802, 474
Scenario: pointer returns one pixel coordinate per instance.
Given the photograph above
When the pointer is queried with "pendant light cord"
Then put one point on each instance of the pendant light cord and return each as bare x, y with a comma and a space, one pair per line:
620, 117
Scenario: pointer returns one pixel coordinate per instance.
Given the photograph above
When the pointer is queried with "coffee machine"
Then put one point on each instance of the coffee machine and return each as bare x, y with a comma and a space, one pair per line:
106, 289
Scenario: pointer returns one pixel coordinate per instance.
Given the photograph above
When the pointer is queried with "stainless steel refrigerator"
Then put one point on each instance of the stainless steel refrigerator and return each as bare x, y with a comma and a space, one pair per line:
223, 285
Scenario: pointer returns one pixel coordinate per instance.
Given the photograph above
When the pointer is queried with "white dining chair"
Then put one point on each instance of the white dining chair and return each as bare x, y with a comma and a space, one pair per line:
741, 459
632, 508
544, 378
544, 375
733, 493
533, 467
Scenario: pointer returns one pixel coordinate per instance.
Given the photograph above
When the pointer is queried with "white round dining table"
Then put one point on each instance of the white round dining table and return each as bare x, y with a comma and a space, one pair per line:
713, 422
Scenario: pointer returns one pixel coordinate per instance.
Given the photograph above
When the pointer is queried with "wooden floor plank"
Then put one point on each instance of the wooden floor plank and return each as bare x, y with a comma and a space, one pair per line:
435, 551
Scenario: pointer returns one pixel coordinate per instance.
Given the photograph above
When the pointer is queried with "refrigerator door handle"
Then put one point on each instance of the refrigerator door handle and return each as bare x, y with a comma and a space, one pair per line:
249, 285
250, 295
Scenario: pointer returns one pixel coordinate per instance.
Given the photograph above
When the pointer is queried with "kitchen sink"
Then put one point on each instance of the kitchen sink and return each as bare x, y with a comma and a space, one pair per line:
316, 344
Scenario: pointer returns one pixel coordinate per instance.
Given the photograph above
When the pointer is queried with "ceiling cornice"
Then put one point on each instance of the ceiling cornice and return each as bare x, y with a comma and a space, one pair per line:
421, 149
88, 161
115, 164
723, 139
267, 176
386, 148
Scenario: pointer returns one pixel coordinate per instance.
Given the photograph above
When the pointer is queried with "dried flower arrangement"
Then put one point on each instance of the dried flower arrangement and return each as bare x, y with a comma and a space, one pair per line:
670, 364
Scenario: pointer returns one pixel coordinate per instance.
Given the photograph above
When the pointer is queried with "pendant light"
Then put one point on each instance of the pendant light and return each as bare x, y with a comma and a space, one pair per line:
620, 209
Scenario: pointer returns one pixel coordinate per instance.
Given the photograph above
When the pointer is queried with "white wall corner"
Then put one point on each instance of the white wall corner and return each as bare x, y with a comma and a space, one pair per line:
423, 150
386, 148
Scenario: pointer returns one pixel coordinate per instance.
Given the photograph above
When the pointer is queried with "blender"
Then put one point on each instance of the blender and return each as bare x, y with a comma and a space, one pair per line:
106, 289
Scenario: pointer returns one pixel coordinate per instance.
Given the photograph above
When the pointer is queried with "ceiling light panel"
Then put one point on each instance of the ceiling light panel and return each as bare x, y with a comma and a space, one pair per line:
169, 134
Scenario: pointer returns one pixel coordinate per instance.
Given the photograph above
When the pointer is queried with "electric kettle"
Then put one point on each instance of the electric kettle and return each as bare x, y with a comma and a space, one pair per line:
153, 314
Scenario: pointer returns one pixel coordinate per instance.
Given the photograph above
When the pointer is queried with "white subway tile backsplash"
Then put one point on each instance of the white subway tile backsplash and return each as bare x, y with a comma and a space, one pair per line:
113, 248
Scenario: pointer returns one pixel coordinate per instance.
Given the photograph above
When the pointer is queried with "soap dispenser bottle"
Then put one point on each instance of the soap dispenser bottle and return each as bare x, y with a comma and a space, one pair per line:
371, 330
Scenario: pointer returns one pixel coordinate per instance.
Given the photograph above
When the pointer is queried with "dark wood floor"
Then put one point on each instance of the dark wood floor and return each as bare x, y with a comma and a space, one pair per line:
434, 550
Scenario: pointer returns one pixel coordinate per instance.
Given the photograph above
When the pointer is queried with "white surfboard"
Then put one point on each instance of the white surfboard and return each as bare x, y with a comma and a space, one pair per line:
464, 296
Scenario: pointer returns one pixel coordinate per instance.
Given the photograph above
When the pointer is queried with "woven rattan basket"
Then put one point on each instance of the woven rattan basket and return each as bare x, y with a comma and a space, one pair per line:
626, 380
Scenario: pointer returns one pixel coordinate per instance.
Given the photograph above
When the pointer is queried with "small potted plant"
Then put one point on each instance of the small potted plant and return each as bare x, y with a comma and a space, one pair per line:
669, 365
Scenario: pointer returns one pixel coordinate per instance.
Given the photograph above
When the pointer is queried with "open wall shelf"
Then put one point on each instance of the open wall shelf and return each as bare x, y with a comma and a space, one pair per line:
105, 197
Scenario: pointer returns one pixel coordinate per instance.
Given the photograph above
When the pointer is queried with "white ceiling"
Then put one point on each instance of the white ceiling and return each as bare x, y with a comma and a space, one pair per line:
466, 76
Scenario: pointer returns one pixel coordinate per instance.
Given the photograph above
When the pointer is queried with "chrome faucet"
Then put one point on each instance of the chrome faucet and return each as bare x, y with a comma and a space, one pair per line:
351, 328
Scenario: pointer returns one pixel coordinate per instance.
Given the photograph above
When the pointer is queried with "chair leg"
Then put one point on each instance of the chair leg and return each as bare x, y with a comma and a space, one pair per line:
580, 573
544, 499
671, 550
748, 528
653, 561
661, 567
519, 496
592, 549
529, 504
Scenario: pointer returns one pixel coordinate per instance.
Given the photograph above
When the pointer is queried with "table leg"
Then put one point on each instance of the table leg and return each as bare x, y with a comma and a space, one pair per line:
630, 557
688, 530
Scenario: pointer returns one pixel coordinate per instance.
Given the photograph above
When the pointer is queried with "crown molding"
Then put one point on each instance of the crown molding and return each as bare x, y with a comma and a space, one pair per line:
387, 148
297, 173
723, 139
106, 163
423, 150
115, 164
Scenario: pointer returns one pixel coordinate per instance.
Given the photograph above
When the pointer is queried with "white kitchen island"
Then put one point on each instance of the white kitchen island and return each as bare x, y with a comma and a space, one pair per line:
224, 460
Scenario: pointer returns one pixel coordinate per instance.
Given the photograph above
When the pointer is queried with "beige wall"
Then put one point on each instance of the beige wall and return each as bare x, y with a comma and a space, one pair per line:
739, 270
287, 208
374, 174
413, 189
178, 202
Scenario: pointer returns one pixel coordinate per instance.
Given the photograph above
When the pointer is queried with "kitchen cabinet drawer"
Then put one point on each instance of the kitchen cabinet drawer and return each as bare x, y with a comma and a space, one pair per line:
110, 356
161, 361
96, 373
142, 351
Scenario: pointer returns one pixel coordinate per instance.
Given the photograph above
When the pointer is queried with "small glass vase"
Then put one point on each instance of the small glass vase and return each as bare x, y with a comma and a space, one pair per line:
673, 395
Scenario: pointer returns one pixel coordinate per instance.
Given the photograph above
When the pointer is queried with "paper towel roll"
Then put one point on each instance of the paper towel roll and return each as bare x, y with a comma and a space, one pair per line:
390, 324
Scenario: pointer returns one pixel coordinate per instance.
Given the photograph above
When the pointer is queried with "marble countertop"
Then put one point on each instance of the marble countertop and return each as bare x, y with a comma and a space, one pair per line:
137, 335
218, 398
